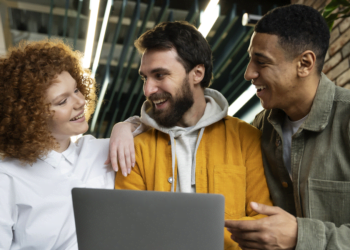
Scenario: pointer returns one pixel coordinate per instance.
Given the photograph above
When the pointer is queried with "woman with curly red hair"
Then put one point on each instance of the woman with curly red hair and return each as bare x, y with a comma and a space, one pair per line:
46, 97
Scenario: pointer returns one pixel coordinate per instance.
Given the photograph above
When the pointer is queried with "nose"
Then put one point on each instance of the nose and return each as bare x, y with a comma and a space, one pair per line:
149, 87
79, 100
251, 72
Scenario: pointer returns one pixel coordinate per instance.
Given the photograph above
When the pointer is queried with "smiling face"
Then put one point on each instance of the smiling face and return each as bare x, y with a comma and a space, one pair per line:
67, 103
166, 86
273, 74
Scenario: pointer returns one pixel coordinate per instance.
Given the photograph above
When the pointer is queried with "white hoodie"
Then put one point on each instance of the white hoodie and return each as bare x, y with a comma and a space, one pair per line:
185, 141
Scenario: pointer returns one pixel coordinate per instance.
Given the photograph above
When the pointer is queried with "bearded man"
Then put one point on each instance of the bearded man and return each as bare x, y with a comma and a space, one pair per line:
192, 146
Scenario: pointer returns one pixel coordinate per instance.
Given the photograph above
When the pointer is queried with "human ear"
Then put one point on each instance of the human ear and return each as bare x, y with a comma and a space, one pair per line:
198, 73
306, 63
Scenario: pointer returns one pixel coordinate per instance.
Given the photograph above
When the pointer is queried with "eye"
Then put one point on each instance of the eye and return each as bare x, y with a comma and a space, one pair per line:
63, 102
76, 90
159, 76
259, 62
144, 79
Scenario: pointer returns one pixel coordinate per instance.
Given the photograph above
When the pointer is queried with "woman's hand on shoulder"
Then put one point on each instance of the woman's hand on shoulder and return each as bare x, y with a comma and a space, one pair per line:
121, 147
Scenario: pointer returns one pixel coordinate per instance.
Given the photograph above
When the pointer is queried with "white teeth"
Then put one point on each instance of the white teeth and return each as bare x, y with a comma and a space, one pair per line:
159, 101
260, 87
77, 117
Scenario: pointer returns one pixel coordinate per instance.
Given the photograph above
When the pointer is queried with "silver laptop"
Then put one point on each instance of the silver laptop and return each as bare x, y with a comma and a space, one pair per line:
147, 220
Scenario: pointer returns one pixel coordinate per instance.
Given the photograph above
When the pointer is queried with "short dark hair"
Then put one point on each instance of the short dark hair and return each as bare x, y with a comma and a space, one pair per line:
191, 47
298, 28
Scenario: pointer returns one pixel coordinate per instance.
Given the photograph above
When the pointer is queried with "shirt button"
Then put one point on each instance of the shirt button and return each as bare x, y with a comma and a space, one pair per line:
170, 180
285, 184
278, 142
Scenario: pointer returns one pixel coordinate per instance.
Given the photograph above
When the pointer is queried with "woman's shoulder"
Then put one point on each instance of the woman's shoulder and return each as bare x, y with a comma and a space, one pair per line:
88, 144
91, 140
11, 166
9, 162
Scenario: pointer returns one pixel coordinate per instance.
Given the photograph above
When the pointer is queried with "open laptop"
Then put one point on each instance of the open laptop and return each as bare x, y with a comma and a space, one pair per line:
147, 220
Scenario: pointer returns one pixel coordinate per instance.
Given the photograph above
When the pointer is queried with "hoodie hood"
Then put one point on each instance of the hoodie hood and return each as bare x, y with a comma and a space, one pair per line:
185, 141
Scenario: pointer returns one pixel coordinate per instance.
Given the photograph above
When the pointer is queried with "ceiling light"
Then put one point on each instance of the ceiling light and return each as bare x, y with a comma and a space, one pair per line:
94, 5
208, 17
250, 19
241, 100
102, 36
251, 113
99, 103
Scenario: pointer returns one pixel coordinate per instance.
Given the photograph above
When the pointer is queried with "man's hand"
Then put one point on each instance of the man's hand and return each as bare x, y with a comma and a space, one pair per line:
277, 231
121, 147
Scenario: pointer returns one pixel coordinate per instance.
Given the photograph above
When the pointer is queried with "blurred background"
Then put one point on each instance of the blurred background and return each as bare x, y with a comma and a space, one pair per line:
104, 30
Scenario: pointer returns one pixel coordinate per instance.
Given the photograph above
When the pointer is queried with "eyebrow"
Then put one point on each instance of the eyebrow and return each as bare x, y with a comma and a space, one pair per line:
65, 93
160, 69
262, 55
58, 97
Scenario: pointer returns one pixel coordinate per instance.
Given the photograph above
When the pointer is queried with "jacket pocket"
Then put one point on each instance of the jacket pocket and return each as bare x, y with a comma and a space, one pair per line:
230, 181
329, 201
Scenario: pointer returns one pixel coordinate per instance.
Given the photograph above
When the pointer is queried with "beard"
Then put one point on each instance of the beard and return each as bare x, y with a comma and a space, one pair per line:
178, 105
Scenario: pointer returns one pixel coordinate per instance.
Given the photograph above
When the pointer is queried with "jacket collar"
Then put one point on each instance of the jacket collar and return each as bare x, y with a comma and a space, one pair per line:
322, 106
320, 112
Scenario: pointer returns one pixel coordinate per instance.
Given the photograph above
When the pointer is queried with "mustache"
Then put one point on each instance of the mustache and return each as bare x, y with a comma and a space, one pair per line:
158, 96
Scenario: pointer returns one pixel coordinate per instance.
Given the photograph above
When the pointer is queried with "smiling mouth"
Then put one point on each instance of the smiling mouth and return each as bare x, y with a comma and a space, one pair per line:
159, 102
260, 88
77, 117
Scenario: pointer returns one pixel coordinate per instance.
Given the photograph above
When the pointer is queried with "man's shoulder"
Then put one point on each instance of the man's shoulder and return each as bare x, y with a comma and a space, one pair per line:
342, 95
238, 125
147, 134
341, 107
261, 118
234, 121
326, 86
149, 137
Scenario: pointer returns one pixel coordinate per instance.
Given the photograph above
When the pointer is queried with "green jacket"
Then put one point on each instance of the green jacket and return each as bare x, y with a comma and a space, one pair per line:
320, 161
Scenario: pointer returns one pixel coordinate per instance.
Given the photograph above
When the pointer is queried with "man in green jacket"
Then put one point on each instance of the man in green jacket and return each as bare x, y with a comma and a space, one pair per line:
305, 137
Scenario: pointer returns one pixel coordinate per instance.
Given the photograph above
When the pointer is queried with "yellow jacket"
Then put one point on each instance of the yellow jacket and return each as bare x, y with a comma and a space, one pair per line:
228, 162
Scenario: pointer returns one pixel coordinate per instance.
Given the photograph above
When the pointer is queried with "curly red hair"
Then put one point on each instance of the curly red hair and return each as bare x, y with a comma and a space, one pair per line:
25, 74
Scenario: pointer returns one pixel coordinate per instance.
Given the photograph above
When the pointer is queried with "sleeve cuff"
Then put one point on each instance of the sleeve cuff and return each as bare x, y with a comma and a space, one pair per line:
140, 129
134, 120
311, 234
137, 121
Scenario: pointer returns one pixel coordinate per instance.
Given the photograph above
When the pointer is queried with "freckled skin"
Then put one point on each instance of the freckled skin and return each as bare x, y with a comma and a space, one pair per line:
67, 102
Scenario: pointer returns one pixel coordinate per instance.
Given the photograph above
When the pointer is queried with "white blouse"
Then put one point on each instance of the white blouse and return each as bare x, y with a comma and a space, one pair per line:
36, 209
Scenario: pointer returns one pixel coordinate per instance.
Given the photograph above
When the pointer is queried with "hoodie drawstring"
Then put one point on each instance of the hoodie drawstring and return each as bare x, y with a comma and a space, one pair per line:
173, 145
193, 170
